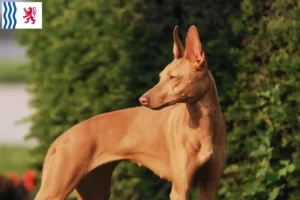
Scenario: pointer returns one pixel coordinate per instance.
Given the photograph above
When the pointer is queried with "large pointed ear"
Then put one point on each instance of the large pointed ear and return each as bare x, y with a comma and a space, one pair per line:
178, 49
193, 48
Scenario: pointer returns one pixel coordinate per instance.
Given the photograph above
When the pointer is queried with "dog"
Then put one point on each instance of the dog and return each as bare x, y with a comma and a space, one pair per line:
179, 133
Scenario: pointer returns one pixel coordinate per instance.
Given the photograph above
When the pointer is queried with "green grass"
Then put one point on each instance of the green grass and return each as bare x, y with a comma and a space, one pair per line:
12, 72
13, 158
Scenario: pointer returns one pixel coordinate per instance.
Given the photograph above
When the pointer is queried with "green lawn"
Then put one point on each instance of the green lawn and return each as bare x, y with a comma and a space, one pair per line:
13, 158
12, 72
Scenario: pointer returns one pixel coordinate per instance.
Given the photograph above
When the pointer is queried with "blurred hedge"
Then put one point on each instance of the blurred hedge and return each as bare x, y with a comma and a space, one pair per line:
97, 56
264, 120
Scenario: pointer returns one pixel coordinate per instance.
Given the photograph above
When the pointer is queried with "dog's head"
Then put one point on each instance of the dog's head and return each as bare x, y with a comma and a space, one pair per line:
185, 79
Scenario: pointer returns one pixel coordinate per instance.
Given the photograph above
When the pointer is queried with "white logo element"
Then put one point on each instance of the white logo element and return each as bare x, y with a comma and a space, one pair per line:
21, 15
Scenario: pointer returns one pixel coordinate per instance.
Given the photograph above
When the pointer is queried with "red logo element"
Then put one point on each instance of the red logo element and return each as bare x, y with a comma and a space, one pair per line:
30, 14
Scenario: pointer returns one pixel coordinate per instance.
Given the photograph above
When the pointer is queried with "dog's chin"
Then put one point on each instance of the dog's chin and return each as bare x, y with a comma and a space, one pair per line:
159, 107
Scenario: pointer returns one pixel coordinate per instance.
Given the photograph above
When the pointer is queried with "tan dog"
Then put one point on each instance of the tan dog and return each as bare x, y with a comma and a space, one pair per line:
179, 143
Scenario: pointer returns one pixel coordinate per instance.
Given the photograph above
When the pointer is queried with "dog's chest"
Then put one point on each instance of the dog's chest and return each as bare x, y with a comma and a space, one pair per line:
184, 136
181, 136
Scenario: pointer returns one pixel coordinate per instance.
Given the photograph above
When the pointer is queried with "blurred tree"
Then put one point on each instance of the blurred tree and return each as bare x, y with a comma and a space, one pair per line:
97, 56
264, 141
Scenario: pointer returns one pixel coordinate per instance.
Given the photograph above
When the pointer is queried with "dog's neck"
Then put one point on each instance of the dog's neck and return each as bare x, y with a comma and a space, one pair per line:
205, 108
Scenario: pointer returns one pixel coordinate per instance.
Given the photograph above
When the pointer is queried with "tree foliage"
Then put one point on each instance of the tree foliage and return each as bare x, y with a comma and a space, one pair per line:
264, 141
97, 56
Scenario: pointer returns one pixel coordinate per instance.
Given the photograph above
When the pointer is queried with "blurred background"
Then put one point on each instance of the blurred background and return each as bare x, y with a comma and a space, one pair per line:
14, 107
98, 56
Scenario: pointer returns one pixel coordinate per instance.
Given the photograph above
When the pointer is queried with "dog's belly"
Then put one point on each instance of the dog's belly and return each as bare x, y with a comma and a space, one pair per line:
159, 166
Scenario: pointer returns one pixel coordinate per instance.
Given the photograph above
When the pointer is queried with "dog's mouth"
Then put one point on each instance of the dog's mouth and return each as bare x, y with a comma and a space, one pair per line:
170, 103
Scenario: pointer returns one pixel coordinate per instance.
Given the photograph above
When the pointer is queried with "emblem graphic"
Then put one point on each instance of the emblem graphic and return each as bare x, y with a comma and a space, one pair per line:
22, 15
30, 15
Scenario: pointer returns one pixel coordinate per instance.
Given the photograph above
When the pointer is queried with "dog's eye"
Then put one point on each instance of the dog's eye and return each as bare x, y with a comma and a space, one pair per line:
172, 77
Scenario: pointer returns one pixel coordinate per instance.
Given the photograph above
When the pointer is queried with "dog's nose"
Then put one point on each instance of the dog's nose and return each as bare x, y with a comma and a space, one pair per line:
144, 100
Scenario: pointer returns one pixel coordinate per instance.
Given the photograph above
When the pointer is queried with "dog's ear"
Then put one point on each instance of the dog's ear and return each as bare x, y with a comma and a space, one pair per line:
193, 48
178, 49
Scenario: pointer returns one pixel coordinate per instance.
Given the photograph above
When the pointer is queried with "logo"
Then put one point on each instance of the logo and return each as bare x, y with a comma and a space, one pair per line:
30, 14
21, 15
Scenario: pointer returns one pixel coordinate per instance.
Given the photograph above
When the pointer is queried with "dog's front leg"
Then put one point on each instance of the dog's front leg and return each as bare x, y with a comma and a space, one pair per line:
206, 151
183, 170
